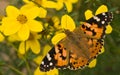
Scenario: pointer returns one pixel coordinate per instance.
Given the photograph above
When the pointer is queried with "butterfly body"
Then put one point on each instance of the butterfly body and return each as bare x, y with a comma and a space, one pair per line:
79, 47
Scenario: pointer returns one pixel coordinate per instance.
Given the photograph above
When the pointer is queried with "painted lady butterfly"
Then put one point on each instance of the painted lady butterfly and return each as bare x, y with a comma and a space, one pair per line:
80, 46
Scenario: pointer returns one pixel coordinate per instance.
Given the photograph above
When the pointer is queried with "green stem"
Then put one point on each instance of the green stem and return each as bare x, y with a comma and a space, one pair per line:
26, 62
27, 66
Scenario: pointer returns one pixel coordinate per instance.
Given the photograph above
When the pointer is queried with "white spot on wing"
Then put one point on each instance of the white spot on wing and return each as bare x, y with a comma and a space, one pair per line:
48, 56
103, 14
105, 19
96, 18
42, 63
103, 22
47, 65
64, 68
51, 63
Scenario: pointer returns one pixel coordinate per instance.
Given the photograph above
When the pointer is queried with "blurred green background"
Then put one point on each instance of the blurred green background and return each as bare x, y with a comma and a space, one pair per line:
108, 63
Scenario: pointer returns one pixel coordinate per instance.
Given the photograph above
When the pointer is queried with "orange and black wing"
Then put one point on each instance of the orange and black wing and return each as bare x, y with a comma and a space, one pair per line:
57, 57
94, 49
95, 27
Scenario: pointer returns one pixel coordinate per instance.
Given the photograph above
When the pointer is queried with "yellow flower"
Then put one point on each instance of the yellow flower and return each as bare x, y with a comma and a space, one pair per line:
68, 4
21, 21
51, 72
31, 43
29, 4
56, 22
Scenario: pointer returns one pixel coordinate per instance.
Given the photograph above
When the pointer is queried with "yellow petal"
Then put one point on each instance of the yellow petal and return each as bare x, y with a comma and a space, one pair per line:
49, 4
68, 6
59, 5
67, 23
35, 46
101, 9
58, 37
12, 11
73, 1
1, 37
24, 33
35, 35
38, 72
13, 38
10, 26
56, 21
35, 26
1, 28
108, 29
39, 59
102, 50
88, 14
22, 47
92, 63
46, 49
43, 13
53, 72
30, 11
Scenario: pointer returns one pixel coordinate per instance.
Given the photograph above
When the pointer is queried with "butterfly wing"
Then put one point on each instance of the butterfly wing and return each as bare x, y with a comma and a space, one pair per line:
56, 57
94, 49
77, 50
96, 26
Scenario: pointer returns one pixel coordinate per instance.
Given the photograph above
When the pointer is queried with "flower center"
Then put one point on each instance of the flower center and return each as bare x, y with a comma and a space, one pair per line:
22, 18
